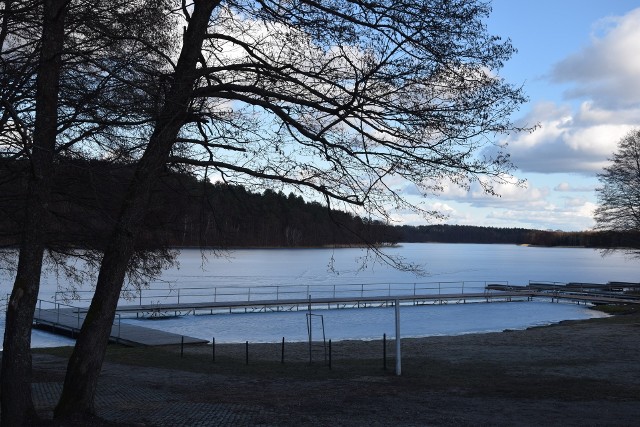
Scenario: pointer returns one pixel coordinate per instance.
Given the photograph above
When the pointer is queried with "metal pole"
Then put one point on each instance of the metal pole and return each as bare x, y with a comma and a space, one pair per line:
213, 349
384, 351
398, 351
282, 357
182, 346
309, 330
247, 352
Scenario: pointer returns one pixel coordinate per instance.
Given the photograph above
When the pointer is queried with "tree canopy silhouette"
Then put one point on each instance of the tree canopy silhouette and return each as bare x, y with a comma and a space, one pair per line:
619, 195
342, 99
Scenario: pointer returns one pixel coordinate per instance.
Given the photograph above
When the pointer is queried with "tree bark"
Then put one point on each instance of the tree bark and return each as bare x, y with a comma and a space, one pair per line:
17, 404
77, 399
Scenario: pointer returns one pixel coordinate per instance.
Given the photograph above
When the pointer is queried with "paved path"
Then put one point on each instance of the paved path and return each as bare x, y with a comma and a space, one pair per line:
146, 403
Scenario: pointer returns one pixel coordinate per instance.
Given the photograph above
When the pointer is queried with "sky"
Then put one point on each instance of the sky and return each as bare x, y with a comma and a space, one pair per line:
579, 62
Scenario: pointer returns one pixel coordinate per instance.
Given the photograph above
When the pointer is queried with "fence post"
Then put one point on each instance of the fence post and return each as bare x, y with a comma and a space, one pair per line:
247, 352
182, 346
384, 351
213, 349
282, 356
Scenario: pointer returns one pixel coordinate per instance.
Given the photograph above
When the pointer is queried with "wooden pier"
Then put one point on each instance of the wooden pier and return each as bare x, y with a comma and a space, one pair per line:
277, 305
68, 321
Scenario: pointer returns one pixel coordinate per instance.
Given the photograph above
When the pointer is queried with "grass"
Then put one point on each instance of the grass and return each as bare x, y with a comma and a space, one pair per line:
474, 377
201, 362
618, 309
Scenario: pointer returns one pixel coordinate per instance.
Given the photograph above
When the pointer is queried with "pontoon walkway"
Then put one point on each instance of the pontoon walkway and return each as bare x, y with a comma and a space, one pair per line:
68, 321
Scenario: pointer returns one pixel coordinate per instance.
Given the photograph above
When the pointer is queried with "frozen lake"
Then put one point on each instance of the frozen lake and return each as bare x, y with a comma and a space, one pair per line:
240, 270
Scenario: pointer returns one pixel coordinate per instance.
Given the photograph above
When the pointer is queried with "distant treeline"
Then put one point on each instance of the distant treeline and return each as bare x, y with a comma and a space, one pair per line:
188, 212
521, 236
184, 211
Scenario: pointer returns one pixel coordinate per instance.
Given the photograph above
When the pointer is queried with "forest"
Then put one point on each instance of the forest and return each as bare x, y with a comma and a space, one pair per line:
188, 212
184, 212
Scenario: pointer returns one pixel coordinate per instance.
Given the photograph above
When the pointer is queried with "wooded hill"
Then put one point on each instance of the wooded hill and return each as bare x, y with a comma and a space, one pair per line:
184, 212
187, 212
522, 236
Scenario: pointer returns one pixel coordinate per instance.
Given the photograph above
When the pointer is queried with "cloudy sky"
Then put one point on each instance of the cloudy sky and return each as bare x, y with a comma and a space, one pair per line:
579, 61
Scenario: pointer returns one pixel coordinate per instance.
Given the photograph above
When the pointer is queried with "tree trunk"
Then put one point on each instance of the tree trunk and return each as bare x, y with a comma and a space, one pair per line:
84, 367
15, 387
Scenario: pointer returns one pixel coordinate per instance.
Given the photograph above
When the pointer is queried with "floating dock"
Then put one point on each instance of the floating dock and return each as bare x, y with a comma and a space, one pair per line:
68, 321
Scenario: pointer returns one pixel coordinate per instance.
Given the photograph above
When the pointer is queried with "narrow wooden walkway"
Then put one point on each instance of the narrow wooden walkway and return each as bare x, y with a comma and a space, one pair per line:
68, 321
303, 303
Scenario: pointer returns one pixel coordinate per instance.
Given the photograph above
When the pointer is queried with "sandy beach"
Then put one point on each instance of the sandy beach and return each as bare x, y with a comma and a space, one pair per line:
574, 373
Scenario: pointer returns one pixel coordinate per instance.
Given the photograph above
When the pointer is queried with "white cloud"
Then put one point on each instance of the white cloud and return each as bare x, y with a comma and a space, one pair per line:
566, 207
603, 77
566, 187
565, 142
574, 215
606, 70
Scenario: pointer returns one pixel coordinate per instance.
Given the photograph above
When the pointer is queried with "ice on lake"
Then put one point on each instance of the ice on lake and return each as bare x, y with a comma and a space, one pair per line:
443, 263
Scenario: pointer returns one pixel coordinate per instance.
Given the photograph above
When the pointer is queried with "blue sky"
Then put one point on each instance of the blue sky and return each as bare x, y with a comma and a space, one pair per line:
579, 61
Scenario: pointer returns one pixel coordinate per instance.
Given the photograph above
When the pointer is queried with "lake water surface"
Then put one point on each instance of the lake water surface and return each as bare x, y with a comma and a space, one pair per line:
474, 264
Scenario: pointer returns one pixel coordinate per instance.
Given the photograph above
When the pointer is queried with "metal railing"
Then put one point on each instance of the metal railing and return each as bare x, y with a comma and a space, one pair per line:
179, 295
66, 316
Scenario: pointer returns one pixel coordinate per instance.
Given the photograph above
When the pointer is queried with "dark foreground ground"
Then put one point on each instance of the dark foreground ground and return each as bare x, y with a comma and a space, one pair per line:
584, 373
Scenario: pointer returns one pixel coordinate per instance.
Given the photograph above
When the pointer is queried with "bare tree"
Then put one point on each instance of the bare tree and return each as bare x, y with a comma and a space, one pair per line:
16, 357
619, 196
338, 98
63, 93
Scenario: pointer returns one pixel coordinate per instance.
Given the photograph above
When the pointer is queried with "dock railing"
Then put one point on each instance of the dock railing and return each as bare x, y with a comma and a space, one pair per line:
67, 317
175, 294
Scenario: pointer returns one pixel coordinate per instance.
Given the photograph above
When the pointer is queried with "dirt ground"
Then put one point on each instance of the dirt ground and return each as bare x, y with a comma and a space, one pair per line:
582, 373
